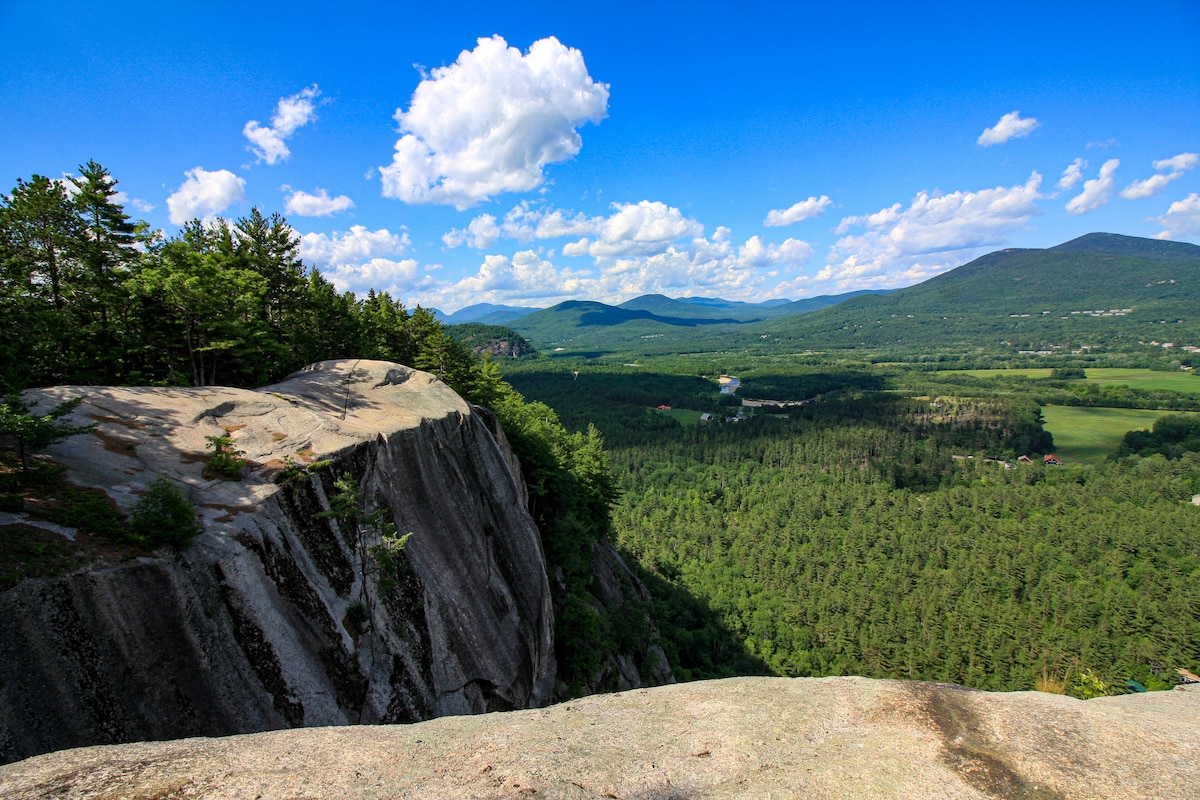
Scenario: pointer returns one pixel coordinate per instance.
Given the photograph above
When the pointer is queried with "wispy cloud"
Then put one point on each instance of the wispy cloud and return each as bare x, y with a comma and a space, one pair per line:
490, 123
291, 113
320, 204
1010, 126
1170, 169
1072, 174
805, 209
1097, 191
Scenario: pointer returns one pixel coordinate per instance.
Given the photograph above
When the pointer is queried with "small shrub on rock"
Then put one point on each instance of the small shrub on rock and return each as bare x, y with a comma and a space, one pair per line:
163, 516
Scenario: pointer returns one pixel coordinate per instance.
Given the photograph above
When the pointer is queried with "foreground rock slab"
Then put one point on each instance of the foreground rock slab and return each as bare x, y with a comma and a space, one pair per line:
737, 738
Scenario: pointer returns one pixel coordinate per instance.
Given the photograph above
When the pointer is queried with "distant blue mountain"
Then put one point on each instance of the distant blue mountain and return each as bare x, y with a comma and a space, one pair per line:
485, 314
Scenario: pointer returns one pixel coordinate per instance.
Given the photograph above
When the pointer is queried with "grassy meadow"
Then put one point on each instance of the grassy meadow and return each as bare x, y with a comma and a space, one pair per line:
1088, 435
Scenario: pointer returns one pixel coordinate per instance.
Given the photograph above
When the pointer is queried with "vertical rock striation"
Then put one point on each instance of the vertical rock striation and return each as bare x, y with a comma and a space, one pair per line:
275, 616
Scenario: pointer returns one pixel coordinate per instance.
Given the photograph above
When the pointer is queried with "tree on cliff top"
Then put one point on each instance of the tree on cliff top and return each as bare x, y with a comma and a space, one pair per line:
30, 432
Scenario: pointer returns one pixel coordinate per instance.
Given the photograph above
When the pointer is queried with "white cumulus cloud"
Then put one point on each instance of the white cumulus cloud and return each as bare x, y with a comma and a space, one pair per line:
1072, 174
1170, 169
355, 246
291, 113
805, 209
1182, 220
1010, 126
481, 233
490, 122
1097, 191
360, 259
204, 195
303, 204
640, 229
936, 232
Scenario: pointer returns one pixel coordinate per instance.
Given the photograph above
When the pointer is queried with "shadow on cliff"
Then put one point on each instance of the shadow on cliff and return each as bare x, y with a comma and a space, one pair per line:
696, 642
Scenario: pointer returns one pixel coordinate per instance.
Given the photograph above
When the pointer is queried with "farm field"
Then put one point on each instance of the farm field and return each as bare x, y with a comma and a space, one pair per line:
1088, 435
683, 416
1146, 379
1135, 378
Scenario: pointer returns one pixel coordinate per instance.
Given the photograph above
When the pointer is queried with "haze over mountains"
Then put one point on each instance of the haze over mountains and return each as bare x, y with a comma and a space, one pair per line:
1013, 297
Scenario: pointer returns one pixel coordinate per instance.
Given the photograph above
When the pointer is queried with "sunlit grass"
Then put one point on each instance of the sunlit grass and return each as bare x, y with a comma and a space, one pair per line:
1088, 435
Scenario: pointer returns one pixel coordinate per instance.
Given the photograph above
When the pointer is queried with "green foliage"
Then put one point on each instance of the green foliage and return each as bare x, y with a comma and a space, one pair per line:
842, 539
1068, 374
1172, 436
374, 541
163, 516
225, 461
1087, 685
294, 470
31, 432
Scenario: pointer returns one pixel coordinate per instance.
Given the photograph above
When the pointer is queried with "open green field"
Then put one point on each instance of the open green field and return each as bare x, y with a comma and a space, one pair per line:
1088, 435
1135, 378
683, 416
1147, 379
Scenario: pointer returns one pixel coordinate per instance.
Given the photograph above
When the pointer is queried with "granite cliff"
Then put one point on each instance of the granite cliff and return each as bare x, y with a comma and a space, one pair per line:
275, 617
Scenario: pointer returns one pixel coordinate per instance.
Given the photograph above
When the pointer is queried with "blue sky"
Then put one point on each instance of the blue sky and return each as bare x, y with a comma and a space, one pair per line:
529, 153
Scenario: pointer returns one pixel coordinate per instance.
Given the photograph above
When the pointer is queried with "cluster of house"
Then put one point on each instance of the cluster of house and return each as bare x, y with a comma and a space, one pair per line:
1050, 460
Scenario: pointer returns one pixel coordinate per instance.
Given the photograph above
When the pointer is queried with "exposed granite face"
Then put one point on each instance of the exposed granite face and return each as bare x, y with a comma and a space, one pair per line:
258, 625
751, 738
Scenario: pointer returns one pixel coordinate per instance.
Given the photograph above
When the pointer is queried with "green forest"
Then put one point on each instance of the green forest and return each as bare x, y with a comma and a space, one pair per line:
880, 524
844, 512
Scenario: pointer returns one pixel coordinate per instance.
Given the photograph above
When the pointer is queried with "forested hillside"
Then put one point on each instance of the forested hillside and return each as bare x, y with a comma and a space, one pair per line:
882, 525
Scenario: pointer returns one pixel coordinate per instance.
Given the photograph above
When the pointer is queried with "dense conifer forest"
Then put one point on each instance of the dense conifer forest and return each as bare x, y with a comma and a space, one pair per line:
881, 524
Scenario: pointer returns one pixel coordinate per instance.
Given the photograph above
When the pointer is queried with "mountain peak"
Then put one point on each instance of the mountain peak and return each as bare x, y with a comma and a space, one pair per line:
1120, 245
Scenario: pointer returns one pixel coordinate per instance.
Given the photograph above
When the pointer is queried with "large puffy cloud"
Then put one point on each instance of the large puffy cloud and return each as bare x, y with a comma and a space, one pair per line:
358, 259
1182, 220
291, 113
303, 204
640, 229
205, 194
350, 247
805, 209
935, 233
491, 121
1169, 169
1097, 191
1010, 126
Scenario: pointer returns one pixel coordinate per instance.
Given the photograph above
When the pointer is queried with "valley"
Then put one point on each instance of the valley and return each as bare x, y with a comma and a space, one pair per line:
874, 515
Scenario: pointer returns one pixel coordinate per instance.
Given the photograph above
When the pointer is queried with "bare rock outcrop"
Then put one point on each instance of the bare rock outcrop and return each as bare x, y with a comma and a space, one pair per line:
754, 738
273, 618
